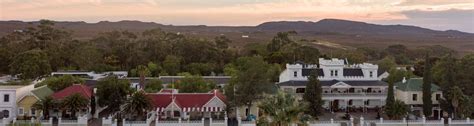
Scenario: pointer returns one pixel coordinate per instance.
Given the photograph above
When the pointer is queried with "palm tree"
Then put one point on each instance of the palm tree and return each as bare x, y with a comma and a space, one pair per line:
74, 103
138, 105
456, 95
397, 110
45, 105
281, 109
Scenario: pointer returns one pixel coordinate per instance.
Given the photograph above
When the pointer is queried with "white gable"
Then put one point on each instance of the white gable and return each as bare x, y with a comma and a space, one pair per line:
172, 106
215, 102
340, 85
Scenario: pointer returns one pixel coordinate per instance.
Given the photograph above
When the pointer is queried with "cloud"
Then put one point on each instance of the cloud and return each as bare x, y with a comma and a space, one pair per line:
227, 12
440, 20
433, 2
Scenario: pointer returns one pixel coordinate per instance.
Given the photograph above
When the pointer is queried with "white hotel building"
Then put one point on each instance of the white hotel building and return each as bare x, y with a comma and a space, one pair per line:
344, 85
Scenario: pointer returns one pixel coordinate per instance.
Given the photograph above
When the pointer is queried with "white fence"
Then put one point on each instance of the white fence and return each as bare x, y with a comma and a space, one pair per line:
82, 121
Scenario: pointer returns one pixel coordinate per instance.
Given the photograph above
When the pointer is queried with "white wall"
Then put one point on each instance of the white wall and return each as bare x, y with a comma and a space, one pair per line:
407, 97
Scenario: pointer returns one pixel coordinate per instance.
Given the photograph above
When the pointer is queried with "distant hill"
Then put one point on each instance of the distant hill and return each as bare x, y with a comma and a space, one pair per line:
354, 27
344, 32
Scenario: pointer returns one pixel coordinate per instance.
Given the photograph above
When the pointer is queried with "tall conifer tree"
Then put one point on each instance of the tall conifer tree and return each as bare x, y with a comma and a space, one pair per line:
312, 95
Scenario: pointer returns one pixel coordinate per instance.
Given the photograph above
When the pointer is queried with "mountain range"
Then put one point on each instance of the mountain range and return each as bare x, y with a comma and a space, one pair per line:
340, 32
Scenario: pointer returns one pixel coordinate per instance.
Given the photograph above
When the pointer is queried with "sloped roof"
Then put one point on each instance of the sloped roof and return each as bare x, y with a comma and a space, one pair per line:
76, 88
380, 72
352, 72
414, 84
42, 92
307, 71
184, 100
332, 82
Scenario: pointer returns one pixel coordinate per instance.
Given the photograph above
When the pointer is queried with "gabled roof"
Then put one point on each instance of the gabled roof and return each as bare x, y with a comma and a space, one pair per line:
184, 100
332, 82
76, 88
414, 84
42, 92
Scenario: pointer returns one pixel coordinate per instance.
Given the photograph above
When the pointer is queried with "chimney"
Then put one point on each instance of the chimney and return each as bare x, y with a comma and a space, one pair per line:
404, 80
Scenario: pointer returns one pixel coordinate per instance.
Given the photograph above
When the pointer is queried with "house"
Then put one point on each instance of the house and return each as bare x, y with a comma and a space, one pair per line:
344, 85
170, 104
411, 92
9, 95
25, 103
73, 89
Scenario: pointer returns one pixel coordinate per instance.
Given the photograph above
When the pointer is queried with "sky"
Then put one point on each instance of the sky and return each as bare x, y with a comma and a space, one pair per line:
433, 14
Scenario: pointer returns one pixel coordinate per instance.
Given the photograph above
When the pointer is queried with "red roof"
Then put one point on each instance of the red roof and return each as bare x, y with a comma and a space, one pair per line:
76, 88
184, 100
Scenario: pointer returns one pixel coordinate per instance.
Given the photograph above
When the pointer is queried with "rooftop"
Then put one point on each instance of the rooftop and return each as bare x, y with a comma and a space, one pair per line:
414, 84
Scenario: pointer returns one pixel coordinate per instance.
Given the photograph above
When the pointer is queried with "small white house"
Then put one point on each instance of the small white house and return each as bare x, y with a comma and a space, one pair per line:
9, 95
411, 92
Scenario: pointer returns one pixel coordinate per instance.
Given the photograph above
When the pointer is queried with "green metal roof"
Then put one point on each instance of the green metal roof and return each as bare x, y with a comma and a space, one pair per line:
42, 92
414, 84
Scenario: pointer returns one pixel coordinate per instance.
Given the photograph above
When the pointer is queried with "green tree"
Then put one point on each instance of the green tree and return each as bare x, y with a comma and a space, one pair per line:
74, 103
154, 69
387, 63
61, 82
427, 81
171, 64
465, 78
194, 84
153, 86
280, 40
313, 95
222, 42
203, 69
112, 92
30, 65
455, 95
138, 105
142, 72
281, 110
45, 105
397, 110
250, 83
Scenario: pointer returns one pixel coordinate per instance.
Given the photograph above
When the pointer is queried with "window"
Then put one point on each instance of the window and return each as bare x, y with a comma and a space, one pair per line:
6, 98
6, 113
332, 73
20, 111
335, 73
414, 97
300, 90
438, 96
371, 74
295, 74
177, 114
288, 90
33, 112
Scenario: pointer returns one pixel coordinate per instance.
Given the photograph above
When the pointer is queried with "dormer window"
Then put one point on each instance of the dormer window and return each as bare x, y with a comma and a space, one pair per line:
295, 74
